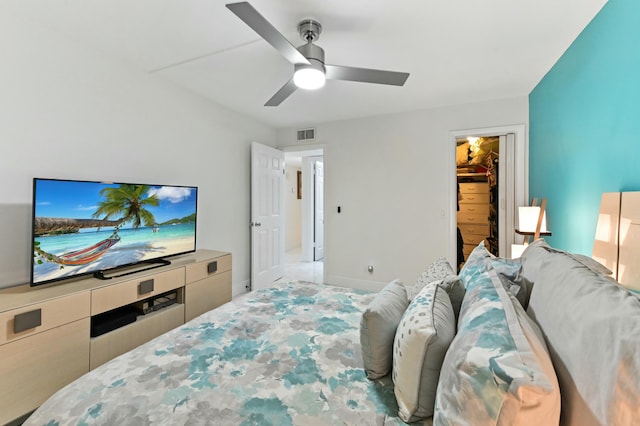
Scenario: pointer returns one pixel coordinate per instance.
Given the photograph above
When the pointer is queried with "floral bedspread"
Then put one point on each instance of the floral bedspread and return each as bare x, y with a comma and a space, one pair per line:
287, 355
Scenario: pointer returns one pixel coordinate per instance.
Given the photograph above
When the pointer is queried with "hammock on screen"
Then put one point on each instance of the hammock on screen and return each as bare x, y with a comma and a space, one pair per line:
84, 256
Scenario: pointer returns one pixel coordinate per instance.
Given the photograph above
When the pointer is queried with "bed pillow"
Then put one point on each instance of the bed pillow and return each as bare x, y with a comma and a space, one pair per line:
422, 339
518, 286
480, 260
439, 269
455, 289
476, 264
498, 370
378, 328
586, 261
591, 324
511, 275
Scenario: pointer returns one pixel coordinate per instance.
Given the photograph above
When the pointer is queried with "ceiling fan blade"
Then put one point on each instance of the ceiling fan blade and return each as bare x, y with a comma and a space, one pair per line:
282, 94
259, 24
366, 75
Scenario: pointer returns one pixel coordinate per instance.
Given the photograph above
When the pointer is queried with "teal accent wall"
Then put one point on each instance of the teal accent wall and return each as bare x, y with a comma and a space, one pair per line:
584, 115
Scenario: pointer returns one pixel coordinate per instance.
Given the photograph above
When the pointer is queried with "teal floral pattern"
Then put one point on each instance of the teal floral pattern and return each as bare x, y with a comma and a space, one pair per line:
490, 373
287, 355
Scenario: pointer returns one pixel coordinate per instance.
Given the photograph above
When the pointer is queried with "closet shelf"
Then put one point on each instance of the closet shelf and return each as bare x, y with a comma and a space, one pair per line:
471, 174
541, 233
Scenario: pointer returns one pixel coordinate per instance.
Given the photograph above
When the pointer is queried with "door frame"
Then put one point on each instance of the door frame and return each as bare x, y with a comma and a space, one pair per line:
520, 168
318, 195
317, 151
308, 206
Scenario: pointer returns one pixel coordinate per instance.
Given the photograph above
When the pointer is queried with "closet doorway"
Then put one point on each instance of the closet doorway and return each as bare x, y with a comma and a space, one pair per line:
490, 181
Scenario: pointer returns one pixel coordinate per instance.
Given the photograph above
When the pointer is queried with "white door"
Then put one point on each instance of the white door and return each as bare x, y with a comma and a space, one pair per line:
318, 229
506, 194
267, 215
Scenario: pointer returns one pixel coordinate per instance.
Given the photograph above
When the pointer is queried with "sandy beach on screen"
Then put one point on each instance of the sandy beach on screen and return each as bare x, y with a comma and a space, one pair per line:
169, 246
117, 255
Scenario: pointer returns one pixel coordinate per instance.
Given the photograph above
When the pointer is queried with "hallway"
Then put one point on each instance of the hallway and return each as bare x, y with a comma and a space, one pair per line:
294, 269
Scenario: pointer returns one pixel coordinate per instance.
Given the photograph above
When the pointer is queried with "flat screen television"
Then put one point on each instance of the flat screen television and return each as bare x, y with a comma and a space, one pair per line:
86, 227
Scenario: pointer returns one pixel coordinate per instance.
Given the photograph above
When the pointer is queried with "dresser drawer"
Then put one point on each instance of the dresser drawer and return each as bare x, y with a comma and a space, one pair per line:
474, 198
35, 367
39, 317
474, 230
474, 188
198, 271
114, 296
473, 218
472, 239
207, 294
474, 209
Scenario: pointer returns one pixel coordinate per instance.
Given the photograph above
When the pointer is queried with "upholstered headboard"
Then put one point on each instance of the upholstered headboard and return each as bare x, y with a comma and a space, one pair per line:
617, 239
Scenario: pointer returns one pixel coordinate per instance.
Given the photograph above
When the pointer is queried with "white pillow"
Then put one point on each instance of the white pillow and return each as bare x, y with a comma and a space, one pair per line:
378, 328
422, 339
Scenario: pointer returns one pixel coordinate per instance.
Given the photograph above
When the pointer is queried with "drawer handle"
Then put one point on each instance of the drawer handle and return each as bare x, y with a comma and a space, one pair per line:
212, 267
27, 320
145, 287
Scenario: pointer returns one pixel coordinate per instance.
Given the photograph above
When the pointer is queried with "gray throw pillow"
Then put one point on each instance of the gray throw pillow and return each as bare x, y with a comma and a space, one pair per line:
378, 328
455, 289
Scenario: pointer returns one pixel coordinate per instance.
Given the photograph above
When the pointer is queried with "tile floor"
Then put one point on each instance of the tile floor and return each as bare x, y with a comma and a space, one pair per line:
295, 269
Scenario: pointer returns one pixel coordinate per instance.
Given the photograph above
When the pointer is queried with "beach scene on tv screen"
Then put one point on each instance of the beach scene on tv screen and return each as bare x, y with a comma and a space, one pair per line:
84, 227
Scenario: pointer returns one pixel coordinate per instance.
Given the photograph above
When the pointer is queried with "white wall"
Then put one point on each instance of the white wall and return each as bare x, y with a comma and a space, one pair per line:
391, 177
68, 111
293, 208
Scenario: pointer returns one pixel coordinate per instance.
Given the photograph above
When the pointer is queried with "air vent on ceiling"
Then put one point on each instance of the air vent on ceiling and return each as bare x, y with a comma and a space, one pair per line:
306, 135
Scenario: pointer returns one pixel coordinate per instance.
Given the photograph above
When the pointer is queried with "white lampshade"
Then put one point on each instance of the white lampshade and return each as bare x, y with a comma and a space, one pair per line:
309, 78
517, 249
528, 219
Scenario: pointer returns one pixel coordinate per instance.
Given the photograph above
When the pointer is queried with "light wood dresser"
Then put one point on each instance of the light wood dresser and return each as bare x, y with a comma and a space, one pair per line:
473, 216
46, 331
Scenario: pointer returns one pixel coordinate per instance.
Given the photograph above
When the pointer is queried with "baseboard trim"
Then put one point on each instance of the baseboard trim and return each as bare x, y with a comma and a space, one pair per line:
240, 288
355, 283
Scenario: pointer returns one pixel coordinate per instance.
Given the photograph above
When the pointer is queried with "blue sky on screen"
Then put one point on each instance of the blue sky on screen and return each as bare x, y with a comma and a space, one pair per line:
79, 199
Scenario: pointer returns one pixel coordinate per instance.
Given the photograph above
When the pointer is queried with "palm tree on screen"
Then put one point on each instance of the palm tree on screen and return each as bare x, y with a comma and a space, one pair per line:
125, 202
128, 202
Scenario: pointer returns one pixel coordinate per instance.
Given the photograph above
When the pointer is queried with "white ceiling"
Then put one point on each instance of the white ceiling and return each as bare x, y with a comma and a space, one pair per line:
457, 51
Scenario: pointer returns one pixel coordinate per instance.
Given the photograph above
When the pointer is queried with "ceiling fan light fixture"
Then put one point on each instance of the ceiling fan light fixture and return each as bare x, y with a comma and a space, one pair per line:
309, 77
310, 71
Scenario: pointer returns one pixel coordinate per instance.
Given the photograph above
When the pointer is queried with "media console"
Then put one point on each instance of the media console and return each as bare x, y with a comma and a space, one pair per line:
53, 334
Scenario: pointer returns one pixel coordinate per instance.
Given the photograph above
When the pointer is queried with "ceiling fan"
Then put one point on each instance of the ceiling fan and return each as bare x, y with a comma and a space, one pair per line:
310, 71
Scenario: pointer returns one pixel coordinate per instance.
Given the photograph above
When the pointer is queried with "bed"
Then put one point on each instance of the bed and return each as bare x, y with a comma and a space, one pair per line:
286, 355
